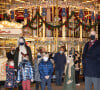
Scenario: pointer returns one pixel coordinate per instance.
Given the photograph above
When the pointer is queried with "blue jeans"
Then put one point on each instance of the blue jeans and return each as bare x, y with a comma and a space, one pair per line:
59, 77
44, 82
91, 80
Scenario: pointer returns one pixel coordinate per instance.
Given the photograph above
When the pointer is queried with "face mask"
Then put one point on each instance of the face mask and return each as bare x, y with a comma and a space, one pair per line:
21, 43
92, 37
11, 63
45, 59
61, 52
25, 58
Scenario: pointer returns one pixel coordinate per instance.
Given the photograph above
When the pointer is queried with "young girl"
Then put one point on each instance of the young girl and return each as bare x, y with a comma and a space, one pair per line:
10, 75
25, 73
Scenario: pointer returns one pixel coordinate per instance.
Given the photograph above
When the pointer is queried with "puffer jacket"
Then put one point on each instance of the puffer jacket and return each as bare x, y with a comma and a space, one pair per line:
45, 68
25, 71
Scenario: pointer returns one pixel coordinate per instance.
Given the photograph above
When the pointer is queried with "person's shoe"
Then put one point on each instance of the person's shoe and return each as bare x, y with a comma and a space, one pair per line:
78, 84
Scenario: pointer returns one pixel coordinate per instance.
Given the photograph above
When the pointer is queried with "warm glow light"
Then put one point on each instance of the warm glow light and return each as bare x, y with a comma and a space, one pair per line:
1, 26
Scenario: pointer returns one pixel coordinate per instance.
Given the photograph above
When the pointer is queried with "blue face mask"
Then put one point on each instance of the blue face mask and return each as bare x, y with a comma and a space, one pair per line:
61, 52
21, 43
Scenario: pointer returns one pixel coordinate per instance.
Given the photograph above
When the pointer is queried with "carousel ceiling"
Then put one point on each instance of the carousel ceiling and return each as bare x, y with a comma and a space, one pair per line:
19, 5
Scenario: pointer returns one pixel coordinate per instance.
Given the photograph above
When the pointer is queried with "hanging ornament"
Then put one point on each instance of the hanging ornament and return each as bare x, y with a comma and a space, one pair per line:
92, 16
25, 13
12, 14
81, 13
63, 12
44, 13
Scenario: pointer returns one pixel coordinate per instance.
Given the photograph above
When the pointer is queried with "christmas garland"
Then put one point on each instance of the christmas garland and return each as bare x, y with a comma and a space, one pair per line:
66, 23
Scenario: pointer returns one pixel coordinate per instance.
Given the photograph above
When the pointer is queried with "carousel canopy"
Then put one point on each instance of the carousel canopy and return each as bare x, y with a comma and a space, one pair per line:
19, 5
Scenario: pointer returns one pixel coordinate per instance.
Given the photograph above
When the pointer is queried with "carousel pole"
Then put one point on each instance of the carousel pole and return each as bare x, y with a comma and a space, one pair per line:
40, 32
53, 11
81, 16
96, 13
93, 22
81, 30
68, 24
88, 23
63, 28
56, 24
37, 26
43, 28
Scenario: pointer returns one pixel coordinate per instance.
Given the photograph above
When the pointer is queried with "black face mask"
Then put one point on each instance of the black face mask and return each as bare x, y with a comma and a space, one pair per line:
92, 37
75, 54
13, 50
21, 43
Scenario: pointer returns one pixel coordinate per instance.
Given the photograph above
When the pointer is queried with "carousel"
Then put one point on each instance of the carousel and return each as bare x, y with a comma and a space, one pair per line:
47, 23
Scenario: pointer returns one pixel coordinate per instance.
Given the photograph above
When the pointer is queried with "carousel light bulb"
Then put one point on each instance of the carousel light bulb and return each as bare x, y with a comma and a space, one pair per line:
1, 26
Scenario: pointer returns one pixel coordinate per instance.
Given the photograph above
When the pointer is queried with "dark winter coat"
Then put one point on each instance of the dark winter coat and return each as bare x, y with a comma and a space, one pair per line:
60, 61
91, 60
17, 55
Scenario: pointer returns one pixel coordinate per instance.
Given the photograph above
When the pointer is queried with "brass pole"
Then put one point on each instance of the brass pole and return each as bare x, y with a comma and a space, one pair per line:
56, 24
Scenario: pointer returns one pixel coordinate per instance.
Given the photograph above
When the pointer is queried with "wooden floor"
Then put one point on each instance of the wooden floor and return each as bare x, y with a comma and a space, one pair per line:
54, 87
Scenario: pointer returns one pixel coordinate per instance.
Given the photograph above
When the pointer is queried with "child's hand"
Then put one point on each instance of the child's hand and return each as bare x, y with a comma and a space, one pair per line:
32, 80
46, 77
17, 81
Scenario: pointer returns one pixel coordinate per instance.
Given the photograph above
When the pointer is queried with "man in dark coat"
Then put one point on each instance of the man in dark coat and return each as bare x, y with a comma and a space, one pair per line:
21, 50
60, 61
91, 63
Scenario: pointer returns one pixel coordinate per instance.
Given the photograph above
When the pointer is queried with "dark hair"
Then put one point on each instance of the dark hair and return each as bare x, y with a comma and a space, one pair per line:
9, 60
76, 51
63, 48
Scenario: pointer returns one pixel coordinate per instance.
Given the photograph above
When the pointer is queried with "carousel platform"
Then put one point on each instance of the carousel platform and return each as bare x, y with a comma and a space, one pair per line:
54, 87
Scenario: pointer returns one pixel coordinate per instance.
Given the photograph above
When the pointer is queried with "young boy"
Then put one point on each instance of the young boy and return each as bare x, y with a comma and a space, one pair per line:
46, 70
25, 73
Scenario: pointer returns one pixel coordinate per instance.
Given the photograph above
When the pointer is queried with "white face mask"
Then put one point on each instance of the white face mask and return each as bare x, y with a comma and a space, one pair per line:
11, 63
25, 58
45, 59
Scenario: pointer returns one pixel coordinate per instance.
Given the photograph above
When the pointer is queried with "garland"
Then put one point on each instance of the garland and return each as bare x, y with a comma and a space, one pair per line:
66, 23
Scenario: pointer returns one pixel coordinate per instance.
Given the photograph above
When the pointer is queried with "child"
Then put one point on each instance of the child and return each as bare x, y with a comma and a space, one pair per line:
25, 73
46, 70
37, 73
10, 75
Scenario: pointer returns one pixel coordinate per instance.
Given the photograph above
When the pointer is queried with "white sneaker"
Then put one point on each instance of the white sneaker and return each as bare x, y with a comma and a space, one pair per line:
78, 84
